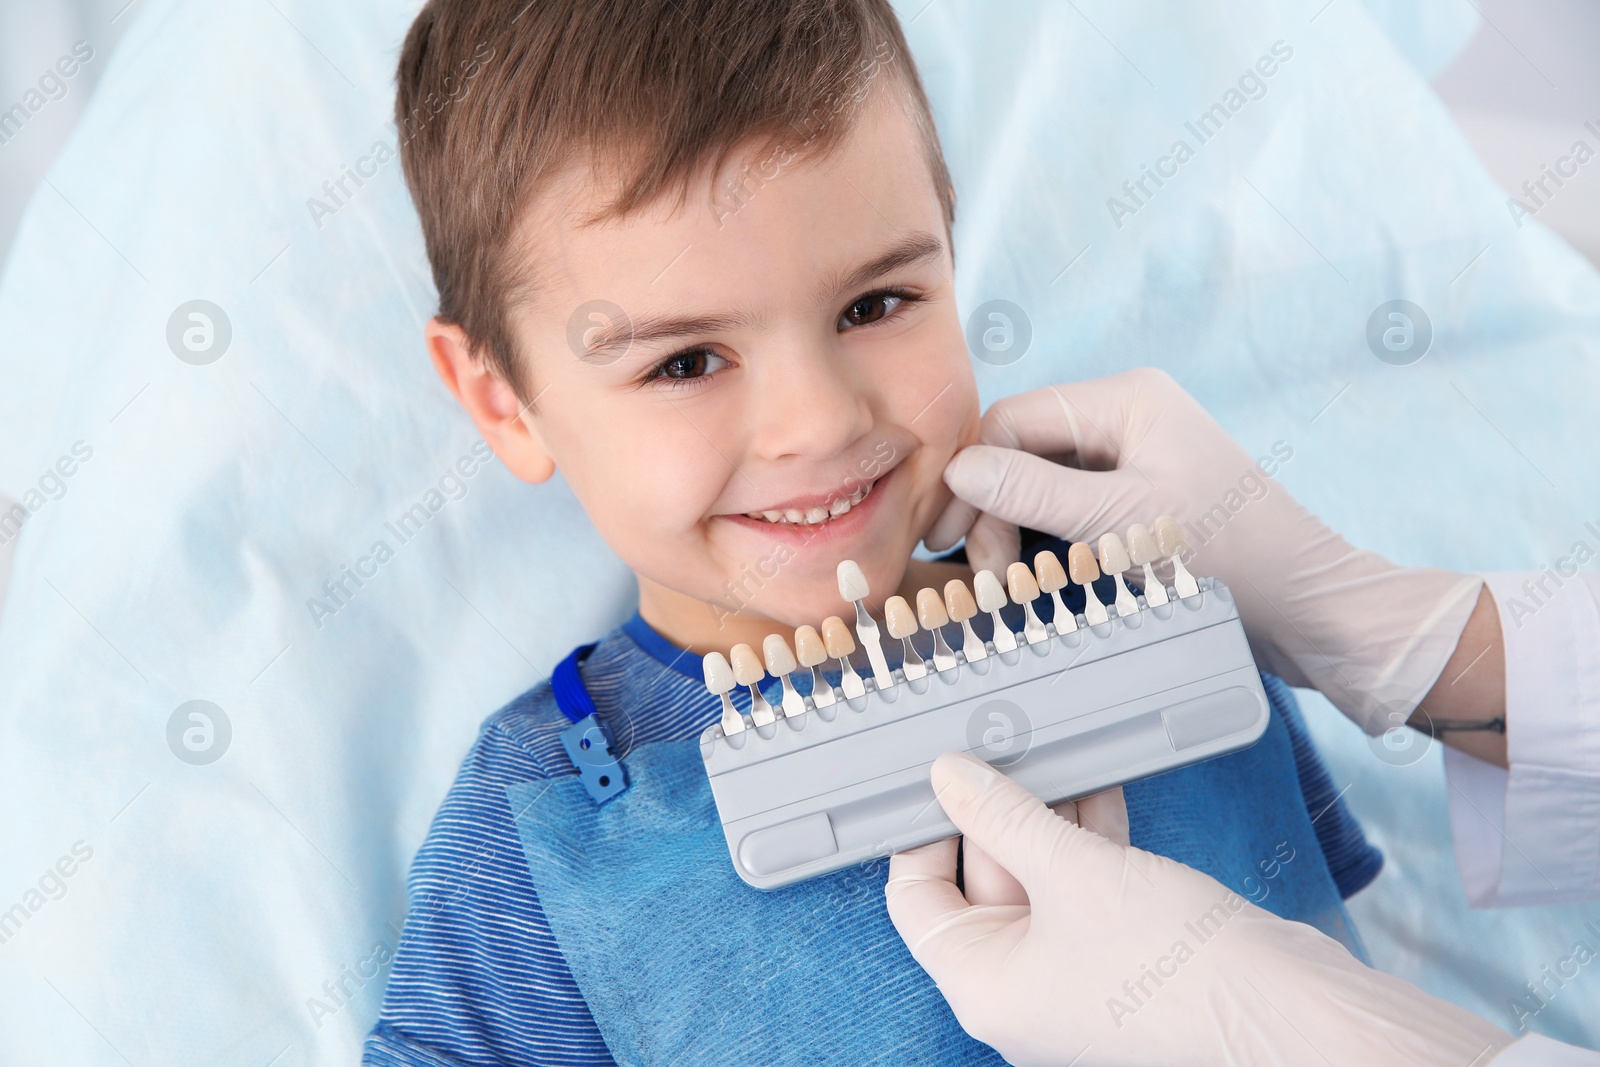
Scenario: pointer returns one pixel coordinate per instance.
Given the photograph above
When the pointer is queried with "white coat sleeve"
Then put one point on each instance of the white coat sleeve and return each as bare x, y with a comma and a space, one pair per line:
1537, 1051
1531, 835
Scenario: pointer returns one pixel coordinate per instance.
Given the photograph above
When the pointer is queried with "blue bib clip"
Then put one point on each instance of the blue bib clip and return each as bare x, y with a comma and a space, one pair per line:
588, 743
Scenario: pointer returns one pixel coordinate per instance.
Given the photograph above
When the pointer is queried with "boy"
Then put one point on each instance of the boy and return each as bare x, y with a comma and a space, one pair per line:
696, 255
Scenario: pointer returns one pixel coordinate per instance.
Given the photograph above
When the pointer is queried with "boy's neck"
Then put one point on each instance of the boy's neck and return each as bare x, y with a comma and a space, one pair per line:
689, 624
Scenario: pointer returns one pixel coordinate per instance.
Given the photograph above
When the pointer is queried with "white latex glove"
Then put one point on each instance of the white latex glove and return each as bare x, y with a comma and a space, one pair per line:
1372, 636
1125, 957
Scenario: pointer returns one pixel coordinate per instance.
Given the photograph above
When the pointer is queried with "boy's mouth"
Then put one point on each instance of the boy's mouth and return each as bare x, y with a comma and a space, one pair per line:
835, 517
816, 514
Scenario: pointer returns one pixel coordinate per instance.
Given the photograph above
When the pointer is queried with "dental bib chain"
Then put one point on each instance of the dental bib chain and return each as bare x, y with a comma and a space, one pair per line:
1140, 685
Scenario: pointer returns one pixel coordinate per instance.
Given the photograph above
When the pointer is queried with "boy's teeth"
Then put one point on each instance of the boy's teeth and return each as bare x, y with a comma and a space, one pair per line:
818, 514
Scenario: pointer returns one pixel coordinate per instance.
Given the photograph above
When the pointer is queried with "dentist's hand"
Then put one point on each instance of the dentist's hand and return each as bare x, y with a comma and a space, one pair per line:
1121, 956
1372, 636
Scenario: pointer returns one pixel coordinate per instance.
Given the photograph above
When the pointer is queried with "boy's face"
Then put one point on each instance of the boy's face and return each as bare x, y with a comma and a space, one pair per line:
791, 347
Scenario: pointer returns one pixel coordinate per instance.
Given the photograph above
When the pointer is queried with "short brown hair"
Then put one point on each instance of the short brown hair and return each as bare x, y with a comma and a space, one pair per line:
495, 97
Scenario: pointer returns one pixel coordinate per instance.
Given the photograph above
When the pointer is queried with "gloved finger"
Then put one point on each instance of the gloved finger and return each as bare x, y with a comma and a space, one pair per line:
921, 891
992, 544
1085, 419
1009, 823
951, 525
1028, 490
985, 881
1056, 419
1066, 809
1106, 813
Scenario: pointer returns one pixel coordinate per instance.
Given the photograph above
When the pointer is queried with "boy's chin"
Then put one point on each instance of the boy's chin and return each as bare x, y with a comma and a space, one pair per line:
794, 604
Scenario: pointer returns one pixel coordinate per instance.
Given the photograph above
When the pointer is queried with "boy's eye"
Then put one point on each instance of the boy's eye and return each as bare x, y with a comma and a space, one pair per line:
687, 366
869, 308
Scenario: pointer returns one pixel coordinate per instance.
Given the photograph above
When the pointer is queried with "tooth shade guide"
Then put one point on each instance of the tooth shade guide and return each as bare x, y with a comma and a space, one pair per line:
748, 672
854, 588
847, 766
812, 654
852, 582
1155, 594
808, 646
1143, 553
836, 638
1081, 563
1125, 601
962, 607
912, 665
840, 644
779, 658
1085, 571
1094, 612
821, 690
1183, 583
1113, 556
850, 683
781, 664
991, 598
932, 615
901, 623
931, 611
1170, 543
898, 617
1114, 561
1025, 590
720, 680
1052, 579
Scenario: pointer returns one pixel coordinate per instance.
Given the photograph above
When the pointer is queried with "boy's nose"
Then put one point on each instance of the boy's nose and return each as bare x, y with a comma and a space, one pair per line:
808, 403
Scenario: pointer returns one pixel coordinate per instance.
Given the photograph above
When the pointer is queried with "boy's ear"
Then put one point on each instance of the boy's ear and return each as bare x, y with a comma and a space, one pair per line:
495, 409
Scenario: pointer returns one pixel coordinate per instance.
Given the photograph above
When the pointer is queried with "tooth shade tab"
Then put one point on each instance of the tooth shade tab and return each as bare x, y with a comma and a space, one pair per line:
836, 637
1126, 604
958, 600
1169, 537
932, 614
991, 596
808, 646
1141, 546
899, 617
1081, 564
902, 623
780, 660
719, 675
1143, 552
1024, 590
852, 583
1052, 578
747, 669
1113, 556
1085, 571
1021, 584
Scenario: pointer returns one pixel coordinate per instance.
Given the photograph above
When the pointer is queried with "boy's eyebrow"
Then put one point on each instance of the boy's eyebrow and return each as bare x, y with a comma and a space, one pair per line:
627, 332
914, 248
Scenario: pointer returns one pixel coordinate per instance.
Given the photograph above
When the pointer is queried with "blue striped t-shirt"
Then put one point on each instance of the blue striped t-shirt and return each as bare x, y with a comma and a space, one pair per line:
478, 977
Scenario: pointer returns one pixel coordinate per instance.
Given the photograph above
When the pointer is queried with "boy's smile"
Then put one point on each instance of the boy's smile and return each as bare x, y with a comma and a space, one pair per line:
778, 386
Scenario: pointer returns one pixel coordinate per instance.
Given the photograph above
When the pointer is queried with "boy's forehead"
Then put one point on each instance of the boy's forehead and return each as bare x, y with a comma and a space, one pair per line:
755, 225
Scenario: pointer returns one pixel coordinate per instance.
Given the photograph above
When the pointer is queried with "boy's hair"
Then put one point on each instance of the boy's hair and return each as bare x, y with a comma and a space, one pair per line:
495, 97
